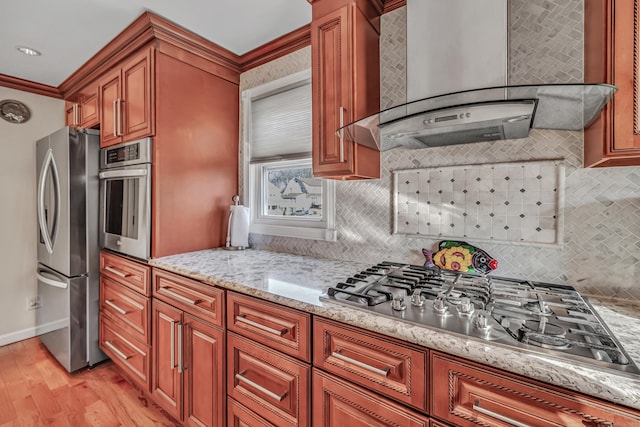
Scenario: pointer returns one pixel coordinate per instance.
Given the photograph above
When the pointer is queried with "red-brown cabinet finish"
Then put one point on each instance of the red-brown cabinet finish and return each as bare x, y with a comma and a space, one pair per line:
187, 378
126, 100
239, 416
128, 309
611, 51
337, 403
468, 394
125, 351
82, 108
272, 385
192, 296
278, 327
131, 274
345, 84
382, 364
166, 377
203, 371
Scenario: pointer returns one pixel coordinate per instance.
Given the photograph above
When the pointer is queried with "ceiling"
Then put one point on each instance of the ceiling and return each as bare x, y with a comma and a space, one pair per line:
69, 32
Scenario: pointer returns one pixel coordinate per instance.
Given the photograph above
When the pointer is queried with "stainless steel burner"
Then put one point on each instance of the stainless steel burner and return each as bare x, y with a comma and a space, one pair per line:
533, 316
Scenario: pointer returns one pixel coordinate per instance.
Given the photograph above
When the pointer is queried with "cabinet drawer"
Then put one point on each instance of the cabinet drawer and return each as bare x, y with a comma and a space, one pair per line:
271, 384
467, 394
282, 328
337, 403
378, 363
128, 309
126, 352
189, 295
239, 416
126, 272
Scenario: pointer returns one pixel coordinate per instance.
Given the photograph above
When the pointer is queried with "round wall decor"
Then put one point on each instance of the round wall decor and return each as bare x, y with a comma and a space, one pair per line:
14, 111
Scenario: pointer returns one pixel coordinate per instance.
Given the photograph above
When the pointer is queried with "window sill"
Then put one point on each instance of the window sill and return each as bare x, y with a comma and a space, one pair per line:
328, 235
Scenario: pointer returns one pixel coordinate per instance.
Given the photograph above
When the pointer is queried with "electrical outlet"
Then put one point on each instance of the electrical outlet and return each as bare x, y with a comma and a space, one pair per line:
34, 302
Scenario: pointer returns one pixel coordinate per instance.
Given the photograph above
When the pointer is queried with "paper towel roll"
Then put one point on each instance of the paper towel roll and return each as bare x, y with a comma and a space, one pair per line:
239, 226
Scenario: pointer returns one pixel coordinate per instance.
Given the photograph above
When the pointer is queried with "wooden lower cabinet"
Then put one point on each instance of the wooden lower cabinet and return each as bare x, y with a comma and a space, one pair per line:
468, 394
269, 383
187, 377
239, 416
337, 403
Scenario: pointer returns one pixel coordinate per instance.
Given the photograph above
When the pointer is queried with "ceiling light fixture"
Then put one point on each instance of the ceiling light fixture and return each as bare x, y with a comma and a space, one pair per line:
28, 51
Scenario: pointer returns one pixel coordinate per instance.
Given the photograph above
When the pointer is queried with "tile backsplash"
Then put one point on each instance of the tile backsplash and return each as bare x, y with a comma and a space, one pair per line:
600, 251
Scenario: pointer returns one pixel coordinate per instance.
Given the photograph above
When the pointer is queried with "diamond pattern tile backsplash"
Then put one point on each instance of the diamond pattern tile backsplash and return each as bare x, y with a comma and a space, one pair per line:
509, 202
600, 251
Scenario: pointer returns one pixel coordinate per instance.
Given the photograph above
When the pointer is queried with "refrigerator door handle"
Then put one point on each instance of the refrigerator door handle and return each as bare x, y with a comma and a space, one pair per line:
48, 236
51, 282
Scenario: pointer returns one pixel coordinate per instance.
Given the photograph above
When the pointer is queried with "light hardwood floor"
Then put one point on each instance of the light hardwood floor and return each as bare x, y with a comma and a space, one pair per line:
36, 391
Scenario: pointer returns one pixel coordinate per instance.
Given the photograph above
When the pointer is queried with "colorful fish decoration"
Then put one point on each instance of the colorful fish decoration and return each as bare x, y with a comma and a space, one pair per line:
460, 256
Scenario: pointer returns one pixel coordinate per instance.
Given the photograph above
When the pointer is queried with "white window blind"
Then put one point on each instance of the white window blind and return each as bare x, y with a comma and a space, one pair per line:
281, 124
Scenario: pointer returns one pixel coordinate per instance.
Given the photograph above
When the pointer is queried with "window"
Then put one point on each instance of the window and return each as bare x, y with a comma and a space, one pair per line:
284, 197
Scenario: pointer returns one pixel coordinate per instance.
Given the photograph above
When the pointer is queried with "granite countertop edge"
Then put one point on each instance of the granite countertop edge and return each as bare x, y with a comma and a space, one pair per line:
214, 267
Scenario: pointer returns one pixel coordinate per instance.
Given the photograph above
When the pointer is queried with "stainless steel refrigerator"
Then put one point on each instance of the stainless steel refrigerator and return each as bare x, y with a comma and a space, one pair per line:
68, 253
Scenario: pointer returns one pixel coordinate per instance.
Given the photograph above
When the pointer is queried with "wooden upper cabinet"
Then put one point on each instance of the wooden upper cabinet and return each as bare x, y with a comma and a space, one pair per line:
346, 85
611, 34
126, 95
81, 110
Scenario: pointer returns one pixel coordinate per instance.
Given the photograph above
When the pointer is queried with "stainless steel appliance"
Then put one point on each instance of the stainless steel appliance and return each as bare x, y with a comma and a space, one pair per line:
125, 198
536, 317
68, 254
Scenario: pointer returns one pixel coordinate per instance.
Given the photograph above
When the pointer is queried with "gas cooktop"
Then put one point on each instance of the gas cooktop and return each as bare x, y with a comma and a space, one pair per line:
539, 317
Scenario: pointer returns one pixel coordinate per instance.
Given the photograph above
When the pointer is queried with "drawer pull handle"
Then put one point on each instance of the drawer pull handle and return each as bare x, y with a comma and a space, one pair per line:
383, 372
115, 307
116, 272
279, 332
117, 351
278, 397
478, 408
180, 297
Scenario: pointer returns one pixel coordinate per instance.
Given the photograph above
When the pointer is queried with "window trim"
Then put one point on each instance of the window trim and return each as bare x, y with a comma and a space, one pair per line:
298, 227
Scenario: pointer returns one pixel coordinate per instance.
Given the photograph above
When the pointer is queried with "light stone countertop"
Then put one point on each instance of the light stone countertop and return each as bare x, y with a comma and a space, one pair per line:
297, 281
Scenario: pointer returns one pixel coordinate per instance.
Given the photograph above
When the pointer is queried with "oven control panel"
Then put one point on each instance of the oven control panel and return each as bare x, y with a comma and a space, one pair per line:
123, 154
130, 153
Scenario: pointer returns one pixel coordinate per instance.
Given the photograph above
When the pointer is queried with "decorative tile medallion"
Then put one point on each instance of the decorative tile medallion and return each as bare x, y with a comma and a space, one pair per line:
510, 202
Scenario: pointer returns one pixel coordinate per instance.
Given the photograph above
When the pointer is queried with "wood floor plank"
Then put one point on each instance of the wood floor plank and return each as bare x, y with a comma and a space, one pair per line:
35, 391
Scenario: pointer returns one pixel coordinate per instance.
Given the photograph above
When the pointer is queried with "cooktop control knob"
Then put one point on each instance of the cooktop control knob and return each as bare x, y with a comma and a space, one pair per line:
481, 322
416, 298
465, 307
439, 305
397, 304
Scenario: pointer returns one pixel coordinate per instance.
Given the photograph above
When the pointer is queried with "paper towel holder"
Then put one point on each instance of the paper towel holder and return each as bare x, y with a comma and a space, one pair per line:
236, 200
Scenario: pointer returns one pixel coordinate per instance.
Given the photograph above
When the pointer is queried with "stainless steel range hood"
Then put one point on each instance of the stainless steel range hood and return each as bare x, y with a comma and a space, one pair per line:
455, 47
481, 115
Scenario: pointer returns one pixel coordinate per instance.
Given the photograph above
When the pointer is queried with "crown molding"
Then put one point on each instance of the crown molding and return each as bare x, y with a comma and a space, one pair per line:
29, 86
390, 5
284, 45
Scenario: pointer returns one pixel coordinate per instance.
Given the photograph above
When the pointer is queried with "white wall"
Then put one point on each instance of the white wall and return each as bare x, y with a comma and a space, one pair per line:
17, 210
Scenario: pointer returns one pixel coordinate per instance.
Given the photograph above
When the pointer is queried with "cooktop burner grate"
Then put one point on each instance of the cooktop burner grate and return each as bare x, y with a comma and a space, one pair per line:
534, 316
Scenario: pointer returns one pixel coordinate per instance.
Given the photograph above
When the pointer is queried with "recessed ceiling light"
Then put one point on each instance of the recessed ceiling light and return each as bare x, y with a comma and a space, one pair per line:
28, 51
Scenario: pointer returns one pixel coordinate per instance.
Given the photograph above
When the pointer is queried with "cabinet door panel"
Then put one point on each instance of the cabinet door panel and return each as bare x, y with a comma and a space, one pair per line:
330, 92
137, 120
389, 367
166, 377
110, 89
468, 394
125, 351
273, 385
204, 390
337, 403
278, 327
128, 309
89, 107
239, 416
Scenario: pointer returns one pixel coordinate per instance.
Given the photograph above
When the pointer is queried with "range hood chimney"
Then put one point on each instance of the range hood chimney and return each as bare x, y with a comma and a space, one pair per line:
457, 84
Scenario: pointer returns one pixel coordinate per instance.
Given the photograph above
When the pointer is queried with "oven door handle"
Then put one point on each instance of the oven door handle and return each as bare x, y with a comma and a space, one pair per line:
123, 173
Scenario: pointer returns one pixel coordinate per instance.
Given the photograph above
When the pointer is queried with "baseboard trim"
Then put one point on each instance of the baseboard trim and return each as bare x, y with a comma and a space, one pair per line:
16, 336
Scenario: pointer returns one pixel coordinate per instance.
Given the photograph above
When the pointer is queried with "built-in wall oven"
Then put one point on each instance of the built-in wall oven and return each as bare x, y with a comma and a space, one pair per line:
125, 198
